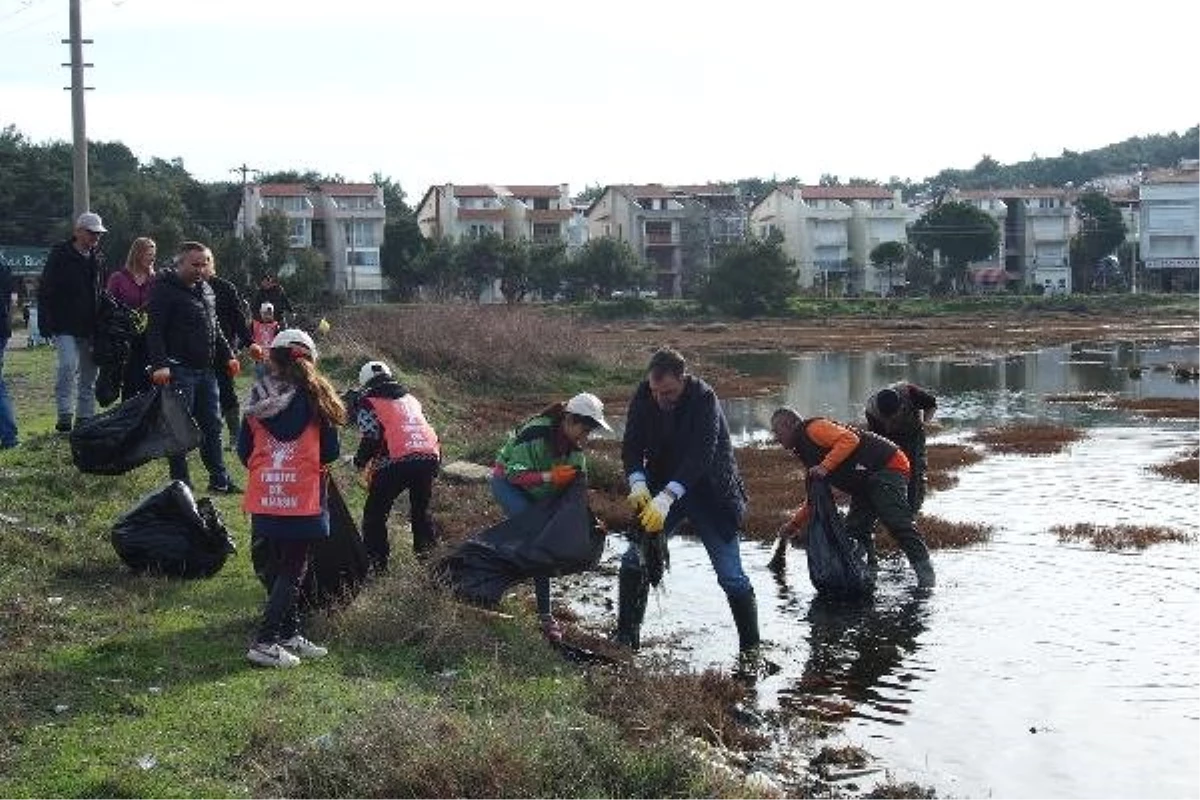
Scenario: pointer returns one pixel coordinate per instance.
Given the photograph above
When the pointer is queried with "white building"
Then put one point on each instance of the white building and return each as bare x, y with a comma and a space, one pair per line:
342, 221
1168, 220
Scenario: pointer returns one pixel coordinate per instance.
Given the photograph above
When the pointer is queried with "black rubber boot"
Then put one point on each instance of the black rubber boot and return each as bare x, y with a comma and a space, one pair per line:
745, 617
925, 575
633, 591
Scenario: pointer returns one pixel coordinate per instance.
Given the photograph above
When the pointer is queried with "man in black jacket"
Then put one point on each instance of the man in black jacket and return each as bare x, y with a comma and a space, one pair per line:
270, 290
185, 347
231, 317
8, 422
677, 444
68, 299
899, 412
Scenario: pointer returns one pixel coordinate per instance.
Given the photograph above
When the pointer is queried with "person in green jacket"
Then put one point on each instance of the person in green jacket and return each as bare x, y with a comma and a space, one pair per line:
541, 458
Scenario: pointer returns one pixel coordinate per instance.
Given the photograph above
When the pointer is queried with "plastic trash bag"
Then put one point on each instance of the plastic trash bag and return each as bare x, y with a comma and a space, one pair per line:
837, 563
172, 533
154, 424
557, 536
337, 564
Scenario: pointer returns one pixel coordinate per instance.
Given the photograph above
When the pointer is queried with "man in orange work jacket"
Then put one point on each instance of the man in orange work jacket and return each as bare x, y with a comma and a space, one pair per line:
868, 467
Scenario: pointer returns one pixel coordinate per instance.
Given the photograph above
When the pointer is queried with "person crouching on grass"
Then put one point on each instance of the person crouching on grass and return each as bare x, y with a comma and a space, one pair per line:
399, 450
542, 458
288, 434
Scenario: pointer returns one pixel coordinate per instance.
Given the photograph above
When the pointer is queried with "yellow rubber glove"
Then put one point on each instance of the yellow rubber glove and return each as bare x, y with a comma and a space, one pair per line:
639, 496
654, 515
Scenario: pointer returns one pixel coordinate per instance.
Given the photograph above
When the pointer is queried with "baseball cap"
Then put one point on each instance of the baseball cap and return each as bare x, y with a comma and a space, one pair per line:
372, 370
588, 405
295, 339
90, 221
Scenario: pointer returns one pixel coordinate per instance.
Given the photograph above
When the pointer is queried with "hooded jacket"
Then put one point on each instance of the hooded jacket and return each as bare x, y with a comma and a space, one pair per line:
285, 412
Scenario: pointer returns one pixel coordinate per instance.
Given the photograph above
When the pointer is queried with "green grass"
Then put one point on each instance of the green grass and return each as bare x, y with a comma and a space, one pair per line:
119, 685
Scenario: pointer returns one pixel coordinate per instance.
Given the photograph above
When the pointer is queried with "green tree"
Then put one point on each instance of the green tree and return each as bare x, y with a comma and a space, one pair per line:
960, 233
479, 261
1101, 232
547, 268
514, 269
274, 232
888, 256
306, 282
436, 269
603, 265
752, 278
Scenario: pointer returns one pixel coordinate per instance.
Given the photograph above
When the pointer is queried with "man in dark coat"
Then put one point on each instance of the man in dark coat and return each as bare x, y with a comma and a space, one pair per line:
68, 301
8, 421
231, 317
185, 347
899, 412
271, 291
678, 458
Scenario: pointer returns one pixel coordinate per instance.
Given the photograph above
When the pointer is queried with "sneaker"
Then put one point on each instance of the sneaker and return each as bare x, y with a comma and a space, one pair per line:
304, 648
550, 628
228, 487
271, 655
64, 424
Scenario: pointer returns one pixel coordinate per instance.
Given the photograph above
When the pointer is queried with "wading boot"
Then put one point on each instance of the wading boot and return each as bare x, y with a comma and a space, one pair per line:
925, 576
745, 617
633, 591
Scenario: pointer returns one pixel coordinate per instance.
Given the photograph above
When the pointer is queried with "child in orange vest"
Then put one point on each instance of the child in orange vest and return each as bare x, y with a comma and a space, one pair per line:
399, 450
288, 435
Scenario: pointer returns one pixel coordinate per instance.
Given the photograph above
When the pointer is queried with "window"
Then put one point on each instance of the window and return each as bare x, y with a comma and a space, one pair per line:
287, 204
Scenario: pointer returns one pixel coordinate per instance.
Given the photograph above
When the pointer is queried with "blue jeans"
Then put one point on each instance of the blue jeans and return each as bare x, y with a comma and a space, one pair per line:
75, 383
8, 421
718, 531
202, 399
514, 500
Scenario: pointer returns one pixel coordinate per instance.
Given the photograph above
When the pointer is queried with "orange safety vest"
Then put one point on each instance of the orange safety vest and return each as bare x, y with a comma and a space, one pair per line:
284, 477
404, 426
263, 333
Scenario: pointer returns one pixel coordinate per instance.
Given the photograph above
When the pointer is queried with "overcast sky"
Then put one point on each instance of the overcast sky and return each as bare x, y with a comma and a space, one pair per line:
550, 91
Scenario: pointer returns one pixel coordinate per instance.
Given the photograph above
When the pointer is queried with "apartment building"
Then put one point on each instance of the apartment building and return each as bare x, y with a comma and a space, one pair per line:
652, 219
1169, 216
342, 221
991, 274
830, 231
1037, 226
537, 213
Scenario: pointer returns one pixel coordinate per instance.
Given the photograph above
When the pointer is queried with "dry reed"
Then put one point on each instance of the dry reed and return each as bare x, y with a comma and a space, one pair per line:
1119, 537
1032, 439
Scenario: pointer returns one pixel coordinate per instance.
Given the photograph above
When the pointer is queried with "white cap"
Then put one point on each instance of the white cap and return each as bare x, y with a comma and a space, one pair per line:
588, 405
295, 338
91, 222
372, 370
265, 307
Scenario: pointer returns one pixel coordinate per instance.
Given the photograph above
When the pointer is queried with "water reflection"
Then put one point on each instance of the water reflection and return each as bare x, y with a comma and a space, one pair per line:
861, 659
974, 389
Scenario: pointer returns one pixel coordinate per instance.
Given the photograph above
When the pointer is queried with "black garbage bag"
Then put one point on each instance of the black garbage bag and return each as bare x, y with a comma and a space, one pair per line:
172, 533
557, 536
337, 565
837, 563
116, 326
153, 424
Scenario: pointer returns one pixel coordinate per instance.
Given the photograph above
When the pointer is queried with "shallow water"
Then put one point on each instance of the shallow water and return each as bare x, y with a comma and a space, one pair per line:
1036, 668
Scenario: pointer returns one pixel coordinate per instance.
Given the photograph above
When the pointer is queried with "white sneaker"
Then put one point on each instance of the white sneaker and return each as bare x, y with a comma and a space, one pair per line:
304, 648
271, 655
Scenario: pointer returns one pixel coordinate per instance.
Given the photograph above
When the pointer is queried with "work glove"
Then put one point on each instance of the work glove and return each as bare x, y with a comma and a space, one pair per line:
257, 352
639, 496
233, 367
561, 475
654, 515
161, 376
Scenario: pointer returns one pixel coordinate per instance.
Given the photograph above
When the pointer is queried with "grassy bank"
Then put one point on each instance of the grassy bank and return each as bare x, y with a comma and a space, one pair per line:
117, 685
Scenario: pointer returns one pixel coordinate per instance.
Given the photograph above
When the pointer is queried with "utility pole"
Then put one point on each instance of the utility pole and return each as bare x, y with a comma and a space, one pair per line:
82, 196
244, 171
244, 212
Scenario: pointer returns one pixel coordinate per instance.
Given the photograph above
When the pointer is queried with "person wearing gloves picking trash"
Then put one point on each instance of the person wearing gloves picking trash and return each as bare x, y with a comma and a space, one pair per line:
541, 458
679, 461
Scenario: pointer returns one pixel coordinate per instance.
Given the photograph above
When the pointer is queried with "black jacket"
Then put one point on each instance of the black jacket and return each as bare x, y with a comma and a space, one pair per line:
5, 294
230, 314
274, 295
689, 444
69, 291
183, 325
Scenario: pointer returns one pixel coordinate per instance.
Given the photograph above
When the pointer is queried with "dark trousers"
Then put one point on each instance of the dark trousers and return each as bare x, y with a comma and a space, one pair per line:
135, 377
884, 497
416, 476
229, 399
281, 616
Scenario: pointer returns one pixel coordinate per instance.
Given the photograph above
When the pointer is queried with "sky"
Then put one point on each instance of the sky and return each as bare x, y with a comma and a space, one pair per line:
550, 92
